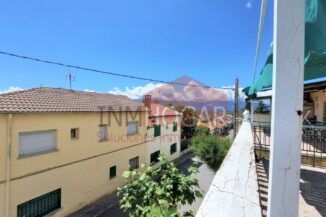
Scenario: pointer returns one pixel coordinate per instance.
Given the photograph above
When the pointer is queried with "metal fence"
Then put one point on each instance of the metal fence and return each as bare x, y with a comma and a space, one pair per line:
313, 139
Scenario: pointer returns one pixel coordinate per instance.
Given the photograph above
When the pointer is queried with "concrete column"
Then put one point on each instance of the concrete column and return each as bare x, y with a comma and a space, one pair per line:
287, 105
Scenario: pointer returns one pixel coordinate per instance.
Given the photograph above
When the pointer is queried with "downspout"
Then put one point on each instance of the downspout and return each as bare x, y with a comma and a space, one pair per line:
8, 166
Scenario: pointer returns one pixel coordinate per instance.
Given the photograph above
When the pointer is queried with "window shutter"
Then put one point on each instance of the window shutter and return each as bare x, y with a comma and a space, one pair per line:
36, 142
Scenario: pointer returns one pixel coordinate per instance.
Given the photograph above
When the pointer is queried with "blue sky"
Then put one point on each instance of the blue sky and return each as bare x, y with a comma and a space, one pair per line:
213, 41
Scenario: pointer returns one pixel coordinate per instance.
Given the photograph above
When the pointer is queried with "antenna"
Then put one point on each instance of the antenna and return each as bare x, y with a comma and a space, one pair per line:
71, 78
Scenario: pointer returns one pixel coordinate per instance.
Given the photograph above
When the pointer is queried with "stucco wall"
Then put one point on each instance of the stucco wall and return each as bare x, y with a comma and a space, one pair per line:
319, 99
167, 138
234, 189
79, 167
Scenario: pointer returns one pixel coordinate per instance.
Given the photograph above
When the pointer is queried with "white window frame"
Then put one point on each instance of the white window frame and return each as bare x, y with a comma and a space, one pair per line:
32, 153
132, 133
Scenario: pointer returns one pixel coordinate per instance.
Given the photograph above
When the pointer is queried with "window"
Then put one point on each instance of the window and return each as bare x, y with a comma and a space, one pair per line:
154, 157
132, 128
173, 148
102, 133
134, 163
113, 172
157, 130
74, 133
175, 126
40, 206
31, 143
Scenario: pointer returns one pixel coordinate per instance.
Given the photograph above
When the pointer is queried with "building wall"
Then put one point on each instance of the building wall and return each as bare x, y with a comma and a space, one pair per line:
262, 118
79, 167
319, 99
167, 138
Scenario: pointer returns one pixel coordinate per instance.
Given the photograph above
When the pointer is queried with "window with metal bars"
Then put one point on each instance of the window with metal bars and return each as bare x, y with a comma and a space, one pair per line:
173, 148
154, 157
41, 205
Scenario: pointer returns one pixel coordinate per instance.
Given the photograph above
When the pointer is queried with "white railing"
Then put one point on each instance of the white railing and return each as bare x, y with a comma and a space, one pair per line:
234, 189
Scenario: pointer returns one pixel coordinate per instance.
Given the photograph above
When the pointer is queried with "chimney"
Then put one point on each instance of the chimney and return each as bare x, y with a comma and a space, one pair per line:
148, 101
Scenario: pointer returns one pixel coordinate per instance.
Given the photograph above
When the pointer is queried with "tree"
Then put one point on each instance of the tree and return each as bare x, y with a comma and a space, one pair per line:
201, 130
159, 190
210, 149
261, 107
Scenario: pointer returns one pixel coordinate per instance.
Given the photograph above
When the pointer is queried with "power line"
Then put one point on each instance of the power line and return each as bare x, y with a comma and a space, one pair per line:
101, 71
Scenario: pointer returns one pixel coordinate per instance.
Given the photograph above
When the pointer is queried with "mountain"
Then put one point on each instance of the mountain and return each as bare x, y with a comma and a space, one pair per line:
194, 94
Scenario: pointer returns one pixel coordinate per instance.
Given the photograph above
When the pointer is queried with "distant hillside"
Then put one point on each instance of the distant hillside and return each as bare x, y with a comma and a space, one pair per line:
192, 95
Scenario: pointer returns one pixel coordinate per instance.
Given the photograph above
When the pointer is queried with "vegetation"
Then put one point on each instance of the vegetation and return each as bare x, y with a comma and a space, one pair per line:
158, 192
201, 130
210, 149
261, 108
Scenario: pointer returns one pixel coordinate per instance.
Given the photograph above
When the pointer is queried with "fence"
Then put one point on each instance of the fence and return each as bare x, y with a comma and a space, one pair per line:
313, 140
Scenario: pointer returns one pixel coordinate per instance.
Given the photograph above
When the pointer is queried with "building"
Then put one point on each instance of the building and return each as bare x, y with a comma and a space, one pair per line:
163, 132
62, 149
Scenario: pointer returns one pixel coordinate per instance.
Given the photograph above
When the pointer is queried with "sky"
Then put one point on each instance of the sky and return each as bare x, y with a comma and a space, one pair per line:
212, 41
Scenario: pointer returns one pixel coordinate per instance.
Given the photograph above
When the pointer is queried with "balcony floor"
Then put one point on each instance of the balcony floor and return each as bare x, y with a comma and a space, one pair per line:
312, 189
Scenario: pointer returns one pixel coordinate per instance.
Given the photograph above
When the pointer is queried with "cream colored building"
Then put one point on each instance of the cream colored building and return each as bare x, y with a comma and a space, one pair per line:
61, 150
163, 132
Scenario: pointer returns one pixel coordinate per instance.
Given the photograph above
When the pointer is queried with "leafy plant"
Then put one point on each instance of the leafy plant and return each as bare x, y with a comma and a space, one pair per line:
162, 190
201, 130
261, 108
210, 149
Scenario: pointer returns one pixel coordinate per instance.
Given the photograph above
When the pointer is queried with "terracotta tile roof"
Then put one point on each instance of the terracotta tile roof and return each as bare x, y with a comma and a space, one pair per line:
161, 110
45, 99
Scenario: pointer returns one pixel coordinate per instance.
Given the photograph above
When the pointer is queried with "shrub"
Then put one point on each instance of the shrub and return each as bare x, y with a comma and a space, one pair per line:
162, 190
201, 130
210, 149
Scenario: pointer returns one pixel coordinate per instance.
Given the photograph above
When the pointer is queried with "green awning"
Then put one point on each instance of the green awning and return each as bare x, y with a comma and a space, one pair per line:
315, 48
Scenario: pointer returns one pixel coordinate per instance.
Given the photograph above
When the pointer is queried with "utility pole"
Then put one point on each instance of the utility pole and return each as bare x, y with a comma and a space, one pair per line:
236, 107
71, 78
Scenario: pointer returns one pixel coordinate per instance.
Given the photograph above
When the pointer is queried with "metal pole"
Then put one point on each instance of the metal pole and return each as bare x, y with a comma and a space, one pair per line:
236, 106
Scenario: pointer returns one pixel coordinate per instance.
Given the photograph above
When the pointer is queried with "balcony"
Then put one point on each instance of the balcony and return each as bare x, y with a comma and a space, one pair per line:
240, 187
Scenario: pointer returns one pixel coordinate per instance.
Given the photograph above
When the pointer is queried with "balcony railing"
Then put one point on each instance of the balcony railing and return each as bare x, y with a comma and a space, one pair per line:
313, 144
234, 189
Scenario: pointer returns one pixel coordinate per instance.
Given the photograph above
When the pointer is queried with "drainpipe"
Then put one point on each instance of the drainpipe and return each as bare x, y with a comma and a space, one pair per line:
8, 166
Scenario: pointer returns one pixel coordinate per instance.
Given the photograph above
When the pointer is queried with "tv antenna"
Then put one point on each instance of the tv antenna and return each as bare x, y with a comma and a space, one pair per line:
71, 78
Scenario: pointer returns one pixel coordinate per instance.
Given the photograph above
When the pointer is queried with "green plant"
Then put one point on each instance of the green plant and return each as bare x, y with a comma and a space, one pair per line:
210, 149
261, 107
162, 190
201, 130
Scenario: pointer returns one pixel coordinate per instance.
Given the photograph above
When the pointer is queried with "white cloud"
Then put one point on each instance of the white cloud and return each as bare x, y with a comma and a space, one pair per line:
249, 4
135, 92
230, 93
92, 91
11, 89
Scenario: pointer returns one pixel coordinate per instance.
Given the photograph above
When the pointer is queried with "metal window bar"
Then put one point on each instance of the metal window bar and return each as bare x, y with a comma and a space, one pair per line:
313, 140
41, 205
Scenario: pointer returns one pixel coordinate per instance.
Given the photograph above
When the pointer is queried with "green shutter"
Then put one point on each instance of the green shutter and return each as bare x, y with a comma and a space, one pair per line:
157, 130
175, 127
